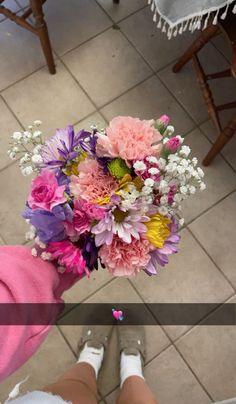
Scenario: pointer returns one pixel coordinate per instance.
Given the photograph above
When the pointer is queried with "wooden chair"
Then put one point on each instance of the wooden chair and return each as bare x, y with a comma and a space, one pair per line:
39, 27
228, 27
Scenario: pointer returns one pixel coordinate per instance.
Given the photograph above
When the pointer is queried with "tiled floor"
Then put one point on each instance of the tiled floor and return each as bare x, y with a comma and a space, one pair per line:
104, 70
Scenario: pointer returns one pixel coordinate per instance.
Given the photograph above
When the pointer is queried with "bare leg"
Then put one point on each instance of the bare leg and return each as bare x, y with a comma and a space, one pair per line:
136, 391
78, 385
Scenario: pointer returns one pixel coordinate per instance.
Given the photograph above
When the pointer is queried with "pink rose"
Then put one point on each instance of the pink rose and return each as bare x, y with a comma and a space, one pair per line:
173, 144
45, 192
83, 216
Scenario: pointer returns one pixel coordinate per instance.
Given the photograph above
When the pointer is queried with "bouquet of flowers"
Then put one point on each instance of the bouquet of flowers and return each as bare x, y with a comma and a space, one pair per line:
108, 196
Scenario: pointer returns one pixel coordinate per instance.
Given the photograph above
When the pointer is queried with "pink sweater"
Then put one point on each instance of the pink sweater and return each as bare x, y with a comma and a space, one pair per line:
26, 279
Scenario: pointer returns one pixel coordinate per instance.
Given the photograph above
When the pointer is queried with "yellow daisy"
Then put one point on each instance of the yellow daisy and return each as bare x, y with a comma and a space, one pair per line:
158, 230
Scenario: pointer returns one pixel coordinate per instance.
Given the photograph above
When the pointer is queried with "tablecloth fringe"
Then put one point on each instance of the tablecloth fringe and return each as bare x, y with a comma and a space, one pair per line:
192, 22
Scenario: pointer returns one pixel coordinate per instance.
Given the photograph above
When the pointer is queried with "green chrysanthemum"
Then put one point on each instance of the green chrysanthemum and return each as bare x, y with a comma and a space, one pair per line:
118, 168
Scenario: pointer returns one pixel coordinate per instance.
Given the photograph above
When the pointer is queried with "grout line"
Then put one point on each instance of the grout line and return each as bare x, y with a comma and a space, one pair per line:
212, 260
8, 165
210, 207
157, 321
123, 18
178, 102
155, 73
13, 113
212, 143
3, 239
87, 297
98, 108
219, 50
67, 342
193, 373
201, 322
22, 78
84, 42
78, 83
126, 91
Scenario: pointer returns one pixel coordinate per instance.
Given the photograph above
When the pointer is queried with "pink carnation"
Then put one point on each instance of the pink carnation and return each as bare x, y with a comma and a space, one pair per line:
68, 256
129, 138
124, 259
45, 192
173, 144
92, 183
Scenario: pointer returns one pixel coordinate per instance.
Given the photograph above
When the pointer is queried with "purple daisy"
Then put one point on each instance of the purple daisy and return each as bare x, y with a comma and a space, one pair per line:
126, 224
160, 255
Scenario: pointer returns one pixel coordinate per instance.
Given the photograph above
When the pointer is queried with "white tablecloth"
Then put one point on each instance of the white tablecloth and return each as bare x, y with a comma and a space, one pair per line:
176, 16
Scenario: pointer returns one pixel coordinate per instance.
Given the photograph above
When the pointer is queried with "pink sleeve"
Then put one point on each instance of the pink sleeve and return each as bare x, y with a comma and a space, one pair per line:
26, 279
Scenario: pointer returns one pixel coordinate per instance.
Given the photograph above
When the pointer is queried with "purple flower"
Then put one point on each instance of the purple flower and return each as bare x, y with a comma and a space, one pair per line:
88, 143
90, 253
49, 225
159, 256
63, 179
60, 148
125, 224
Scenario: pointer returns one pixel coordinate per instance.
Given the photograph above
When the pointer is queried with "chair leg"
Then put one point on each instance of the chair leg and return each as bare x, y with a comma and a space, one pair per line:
42, 32
116, 1
221, 141
198, 44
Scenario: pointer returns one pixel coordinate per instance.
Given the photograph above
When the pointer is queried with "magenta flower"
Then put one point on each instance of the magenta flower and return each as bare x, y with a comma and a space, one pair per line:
84, 214
173, 144
68, 256
45, 192
162, 123
164, 119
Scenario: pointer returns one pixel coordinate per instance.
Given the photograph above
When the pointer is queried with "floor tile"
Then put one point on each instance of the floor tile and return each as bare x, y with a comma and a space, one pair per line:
158, 101
72, 22
154, 45
118, 291
11, 5
20, 53
111, 54
219, 242
210, 351
181, 83
85, 287
56, 100
8, 125
42, 372
13, 226
229, 151
220, 179
190, 277
94, 119
23, 3
222, 44
122, 10
171, 381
